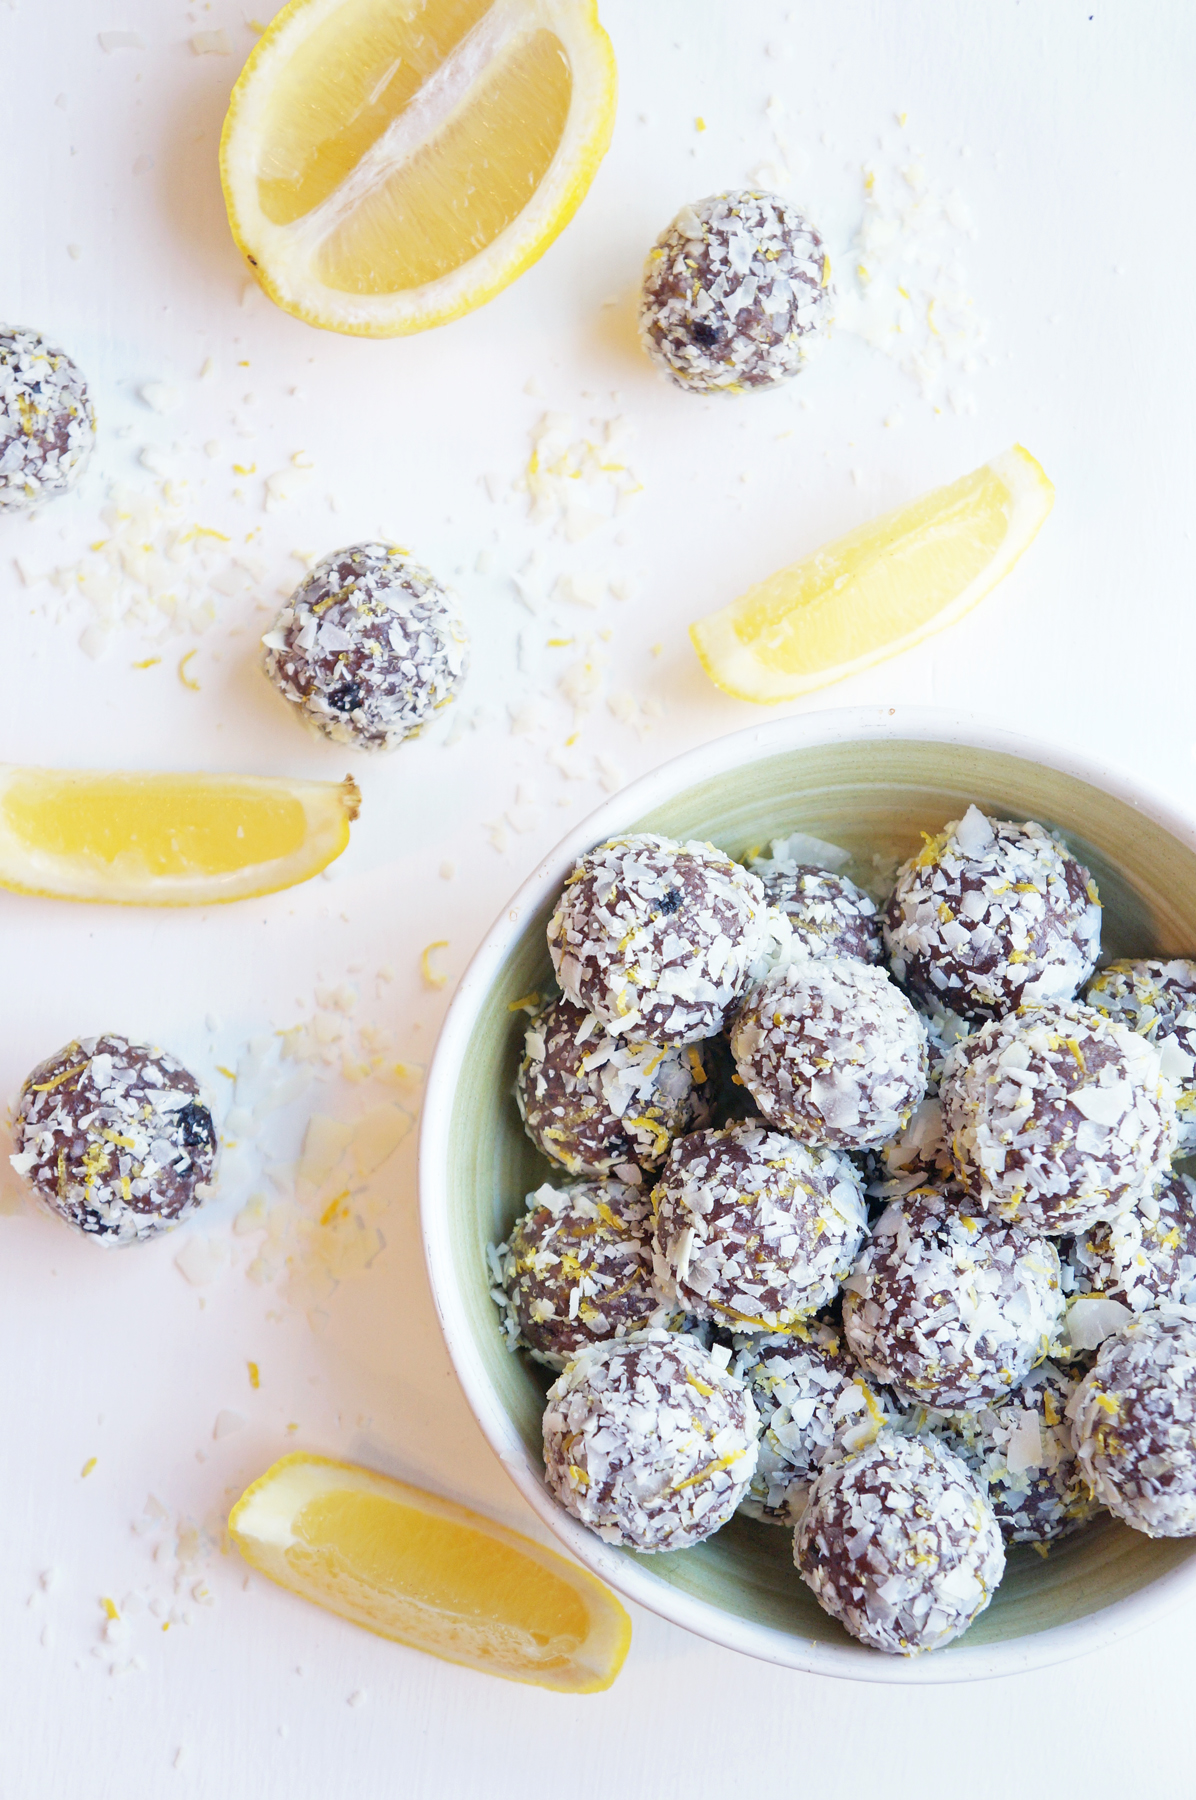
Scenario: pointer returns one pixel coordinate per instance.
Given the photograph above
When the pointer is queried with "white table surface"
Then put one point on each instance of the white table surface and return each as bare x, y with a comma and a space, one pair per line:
1067, 130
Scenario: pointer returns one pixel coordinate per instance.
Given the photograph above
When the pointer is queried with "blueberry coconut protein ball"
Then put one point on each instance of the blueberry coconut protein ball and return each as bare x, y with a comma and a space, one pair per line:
900, 1544
1133, 1421
1021, 1453
599, 1105
754, 1229
650, 1441
815, 1405
947, 1309
831, 1051
576, 1269
829, 915
1157, 999
659, 939
116, 1138
368, 647
992, 915
733, 293
47, 421
1058, 1116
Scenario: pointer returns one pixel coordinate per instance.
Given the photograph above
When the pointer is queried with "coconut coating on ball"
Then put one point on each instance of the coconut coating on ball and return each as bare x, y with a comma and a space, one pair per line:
829, 915
1157, 999
754, 1229
651, 1442
832, 1051
116, 1138
368, 647
1021, 1453
1058, 1116
733, 291
992, 915
900, 1544
599, 1105
1133, 1421
659, 938
576, 1269
47, 420
950, 1309
1142, 1259
815, 1404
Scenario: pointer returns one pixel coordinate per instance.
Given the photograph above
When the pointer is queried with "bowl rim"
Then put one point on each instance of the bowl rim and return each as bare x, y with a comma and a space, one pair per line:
633, 1577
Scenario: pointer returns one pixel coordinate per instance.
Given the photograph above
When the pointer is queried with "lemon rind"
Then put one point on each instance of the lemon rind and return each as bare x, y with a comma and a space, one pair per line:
259, 1525
734, 667
560, 193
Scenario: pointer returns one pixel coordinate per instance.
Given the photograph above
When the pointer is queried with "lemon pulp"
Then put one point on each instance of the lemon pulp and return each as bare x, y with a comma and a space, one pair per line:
880, 589
166, 830
386, 1562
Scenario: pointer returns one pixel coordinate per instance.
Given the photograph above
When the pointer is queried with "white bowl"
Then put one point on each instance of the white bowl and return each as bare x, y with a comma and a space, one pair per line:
868, 778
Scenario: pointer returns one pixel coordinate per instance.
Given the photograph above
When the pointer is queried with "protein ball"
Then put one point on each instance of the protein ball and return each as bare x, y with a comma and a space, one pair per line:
947, 1309
733, 291
1157, 999
754, 1229
577, 1268
900, 1544
1058, 1117
1021, 1453
1145, 1258
831, 1051
368, 647
116, 1138
47, 421
992, 915
658, 938
1133, 1420
829, 915
815, 1403
596, 1104
650, 1442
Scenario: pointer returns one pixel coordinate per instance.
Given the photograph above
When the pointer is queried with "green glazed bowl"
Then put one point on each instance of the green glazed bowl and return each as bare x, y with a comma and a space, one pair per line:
872, 780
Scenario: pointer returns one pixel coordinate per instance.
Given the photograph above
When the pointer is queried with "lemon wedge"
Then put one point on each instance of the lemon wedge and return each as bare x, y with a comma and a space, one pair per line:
879, 590
166, 840
391, 164
430, 1574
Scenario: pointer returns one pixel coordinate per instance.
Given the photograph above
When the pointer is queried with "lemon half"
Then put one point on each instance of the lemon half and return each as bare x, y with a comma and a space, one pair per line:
430, 1574
166, 840
879, 590
391, 164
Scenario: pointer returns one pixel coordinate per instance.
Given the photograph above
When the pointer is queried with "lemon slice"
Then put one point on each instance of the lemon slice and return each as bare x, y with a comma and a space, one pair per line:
166, 840
430, 1574
390, 164
879, 590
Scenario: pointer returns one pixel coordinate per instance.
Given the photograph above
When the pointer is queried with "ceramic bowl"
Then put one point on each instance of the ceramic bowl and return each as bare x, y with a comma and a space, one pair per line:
871, 780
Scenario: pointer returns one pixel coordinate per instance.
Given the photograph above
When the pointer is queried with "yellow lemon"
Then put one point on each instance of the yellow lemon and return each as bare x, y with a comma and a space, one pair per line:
879, 590
430, 1574
166, 840
391, 164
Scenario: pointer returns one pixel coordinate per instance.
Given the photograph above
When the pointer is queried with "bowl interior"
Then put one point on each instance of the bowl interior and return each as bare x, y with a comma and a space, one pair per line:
875, 798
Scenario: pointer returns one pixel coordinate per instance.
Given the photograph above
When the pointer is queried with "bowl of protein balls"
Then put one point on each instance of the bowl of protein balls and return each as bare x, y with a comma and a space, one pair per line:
805, 1196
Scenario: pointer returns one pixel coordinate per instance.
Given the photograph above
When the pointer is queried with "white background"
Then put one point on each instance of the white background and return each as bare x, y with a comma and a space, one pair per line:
1067, 130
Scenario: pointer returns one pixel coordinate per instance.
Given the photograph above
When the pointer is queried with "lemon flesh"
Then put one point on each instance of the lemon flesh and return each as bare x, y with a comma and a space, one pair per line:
390, 164
879, 590
427, 1573
166, 840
